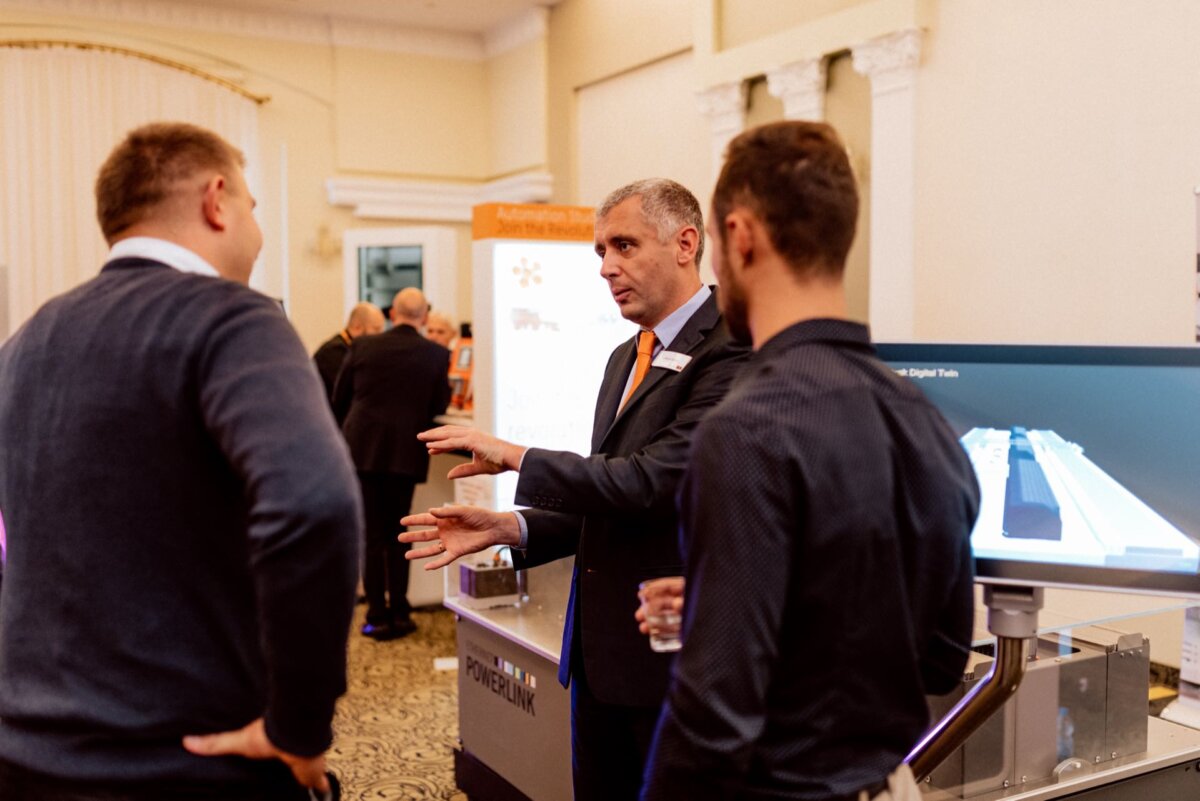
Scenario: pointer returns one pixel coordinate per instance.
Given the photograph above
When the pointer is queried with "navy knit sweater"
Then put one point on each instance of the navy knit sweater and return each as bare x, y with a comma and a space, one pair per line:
183, 527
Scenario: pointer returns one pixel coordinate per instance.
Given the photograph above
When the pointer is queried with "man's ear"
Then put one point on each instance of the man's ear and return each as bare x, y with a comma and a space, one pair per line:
687, 240
740, 230
214, 202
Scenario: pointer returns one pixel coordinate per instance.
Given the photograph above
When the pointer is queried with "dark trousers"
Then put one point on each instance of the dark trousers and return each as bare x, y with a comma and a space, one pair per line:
387, 497
20, 784
609, 744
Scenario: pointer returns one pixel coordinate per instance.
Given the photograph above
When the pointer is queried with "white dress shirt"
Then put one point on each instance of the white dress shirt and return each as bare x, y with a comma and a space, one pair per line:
160, 250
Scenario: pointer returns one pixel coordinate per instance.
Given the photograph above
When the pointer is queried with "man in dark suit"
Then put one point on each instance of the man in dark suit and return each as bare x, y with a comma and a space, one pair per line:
826, 517
365, 319
182, 513
390, 388
615, 510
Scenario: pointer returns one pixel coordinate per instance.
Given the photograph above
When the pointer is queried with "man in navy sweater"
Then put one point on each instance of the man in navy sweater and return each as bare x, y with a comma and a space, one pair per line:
180, 575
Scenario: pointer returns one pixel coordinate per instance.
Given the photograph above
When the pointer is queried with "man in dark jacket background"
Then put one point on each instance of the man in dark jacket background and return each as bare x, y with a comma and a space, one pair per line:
390, 388
365, 319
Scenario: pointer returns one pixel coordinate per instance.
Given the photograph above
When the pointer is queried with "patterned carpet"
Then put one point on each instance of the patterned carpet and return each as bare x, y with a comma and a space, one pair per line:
398, 722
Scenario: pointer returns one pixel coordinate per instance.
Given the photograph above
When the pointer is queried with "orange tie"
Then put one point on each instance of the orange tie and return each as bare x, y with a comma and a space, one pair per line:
645, 349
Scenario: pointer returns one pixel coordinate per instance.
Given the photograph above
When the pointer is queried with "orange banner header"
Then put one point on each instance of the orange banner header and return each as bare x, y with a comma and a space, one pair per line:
533, 221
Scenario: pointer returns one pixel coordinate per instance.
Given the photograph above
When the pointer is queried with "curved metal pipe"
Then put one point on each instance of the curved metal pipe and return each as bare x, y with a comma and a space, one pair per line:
973, 710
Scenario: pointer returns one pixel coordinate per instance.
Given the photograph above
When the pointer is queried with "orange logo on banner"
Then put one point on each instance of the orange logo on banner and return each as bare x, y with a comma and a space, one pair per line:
533, 221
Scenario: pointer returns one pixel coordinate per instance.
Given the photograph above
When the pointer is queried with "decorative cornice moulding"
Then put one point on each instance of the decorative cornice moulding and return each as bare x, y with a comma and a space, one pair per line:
395, 39
798, 77
718, 101
725, 107
433, 201
896, 51
303, 28
526, 27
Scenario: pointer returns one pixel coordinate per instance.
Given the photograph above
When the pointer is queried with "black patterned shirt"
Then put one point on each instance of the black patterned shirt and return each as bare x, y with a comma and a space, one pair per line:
825, 522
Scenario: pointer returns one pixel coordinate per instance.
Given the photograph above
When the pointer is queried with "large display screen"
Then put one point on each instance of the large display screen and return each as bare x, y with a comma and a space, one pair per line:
1088, 459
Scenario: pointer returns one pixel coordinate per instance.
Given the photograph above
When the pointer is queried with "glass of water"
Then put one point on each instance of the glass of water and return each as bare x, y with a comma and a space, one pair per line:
662, 600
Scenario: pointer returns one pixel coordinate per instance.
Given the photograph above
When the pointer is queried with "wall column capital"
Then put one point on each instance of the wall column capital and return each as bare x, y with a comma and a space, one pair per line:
801, 87
725, 107
889, 61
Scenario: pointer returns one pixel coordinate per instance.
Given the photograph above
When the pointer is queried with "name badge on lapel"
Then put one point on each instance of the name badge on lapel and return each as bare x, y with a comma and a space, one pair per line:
671, 360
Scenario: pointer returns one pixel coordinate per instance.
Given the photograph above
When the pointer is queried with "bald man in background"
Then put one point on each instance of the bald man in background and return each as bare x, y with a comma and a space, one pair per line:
390, 388
365, 319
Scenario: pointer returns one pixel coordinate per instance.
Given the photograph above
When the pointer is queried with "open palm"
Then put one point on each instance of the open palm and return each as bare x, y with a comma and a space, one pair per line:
458, 531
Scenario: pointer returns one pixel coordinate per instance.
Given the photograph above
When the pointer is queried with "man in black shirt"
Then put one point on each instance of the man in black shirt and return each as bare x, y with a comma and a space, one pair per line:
365, 319
825, 516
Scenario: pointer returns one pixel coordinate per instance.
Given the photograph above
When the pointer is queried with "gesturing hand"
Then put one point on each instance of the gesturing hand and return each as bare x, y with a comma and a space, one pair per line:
460, 530
251, 741
489, 454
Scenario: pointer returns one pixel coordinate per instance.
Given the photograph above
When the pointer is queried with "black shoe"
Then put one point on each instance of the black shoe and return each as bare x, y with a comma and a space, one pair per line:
393, 631
376, 631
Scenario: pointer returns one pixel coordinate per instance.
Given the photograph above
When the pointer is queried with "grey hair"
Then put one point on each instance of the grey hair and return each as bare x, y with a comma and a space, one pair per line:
666, 205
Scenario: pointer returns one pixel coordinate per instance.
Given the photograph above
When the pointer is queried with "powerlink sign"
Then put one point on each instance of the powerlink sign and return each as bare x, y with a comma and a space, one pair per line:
502, 678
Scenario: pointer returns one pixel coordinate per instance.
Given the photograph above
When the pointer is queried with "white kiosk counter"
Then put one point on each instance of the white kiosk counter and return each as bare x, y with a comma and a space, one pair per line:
513, 715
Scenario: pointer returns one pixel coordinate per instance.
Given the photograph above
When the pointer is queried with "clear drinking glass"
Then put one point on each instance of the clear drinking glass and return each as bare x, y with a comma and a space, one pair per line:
660, 598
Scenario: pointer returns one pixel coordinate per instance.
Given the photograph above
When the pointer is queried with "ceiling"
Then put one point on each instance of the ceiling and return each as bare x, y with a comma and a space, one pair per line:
460, 16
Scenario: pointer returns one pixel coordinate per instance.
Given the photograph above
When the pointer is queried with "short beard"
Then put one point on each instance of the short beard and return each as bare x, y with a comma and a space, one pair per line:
732, 302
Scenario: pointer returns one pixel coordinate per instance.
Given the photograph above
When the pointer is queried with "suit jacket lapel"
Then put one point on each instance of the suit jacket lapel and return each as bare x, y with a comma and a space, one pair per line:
691, 335
611, 390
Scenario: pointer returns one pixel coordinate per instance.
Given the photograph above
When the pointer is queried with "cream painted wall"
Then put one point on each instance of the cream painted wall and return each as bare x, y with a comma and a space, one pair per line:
590, 40
643, 124
516, 85
744, 21
1057, 152
409, 115
848, 108
762, 106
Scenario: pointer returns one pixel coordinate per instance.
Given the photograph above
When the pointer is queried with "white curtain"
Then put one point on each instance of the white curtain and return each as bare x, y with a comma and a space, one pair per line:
62, 110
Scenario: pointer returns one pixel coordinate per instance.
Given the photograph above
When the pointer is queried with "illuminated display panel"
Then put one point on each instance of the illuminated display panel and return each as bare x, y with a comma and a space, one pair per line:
553, 326
1088, 459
